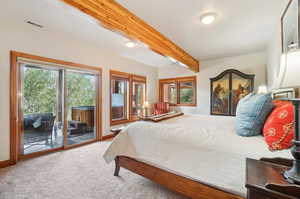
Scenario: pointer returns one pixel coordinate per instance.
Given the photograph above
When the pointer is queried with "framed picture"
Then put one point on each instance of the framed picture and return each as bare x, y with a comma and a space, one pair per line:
290, 26
227, 89
220, 95
240, 88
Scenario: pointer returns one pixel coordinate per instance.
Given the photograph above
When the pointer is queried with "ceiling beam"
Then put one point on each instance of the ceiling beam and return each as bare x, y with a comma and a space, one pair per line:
115, 17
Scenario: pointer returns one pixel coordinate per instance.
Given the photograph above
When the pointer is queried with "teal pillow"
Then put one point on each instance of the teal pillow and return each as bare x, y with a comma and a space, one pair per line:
252, 112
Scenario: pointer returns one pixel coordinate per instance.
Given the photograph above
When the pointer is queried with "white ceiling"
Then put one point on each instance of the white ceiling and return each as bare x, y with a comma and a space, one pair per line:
242, 26
59, 18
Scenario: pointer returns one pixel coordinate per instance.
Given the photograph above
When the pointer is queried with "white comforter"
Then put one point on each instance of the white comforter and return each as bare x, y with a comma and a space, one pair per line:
204, 148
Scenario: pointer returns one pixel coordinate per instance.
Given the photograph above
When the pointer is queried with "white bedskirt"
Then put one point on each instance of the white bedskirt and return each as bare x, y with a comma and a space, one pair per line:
202, 148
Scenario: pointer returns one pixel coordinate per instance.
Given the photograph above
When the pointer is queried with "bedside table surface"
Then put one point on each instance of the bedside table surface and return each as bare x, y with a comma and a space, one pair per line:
259, 173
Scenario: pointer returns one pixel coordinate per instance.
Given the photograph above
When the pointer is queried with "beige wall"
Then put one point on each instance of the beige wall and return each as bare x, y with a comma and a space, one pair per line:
254, 63
58, 46
274, 69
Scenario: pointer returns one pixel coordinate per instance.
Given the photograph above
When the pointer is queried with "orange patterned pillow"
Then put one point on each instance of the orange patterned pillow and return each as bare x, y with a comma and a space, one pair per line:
279, 127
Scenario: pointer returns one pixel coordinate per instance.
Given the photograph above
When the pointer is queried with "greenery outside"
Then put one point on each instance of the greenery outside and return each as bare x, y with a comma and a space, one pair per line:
41, 87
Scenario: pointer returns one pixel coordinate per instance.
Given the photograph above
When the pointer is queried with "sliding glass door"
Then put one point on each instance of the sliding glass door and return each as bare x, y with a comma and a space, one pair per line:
81, 107
40, 109
59, 107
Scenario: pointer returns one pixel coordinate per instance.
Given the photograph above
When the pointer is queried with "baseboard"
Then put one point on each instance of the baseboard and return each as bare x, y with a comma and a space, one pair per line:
5, 163
107, 137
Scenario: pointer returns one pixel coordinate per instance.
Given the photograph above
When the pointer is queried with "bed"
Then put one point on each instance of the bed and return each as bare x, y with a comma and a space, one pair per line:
184, 154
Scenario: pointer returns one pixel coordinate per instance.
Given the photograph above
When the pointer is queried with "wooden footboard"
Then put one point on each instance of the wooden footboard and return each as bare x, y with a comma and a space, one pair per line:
179, 184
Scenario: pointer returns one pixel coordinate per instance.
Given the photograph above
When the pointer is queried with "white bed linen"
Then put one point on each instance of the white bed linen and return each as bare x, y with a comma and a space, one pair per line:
202, 148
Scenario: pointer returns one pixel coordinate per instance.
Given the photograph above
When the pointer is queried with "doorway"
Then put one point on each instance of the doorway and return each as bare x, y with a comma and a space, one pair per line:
58, 105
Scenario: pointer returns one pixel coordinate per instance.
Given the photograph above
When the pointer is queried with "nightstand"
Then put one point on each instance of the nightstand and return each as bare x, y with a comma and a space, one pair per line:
264, 180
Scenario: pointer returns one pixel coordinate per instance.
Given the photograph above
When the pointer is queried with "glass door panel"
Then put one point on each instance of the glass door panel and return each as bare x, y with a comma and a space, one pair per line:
40, 103
81, 107
138, 98
170, 93
119, 98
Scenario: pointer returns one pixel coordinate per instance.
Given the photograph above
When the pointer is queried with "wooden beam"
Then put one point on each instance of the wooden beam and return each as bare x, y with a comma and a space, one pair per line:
115, 17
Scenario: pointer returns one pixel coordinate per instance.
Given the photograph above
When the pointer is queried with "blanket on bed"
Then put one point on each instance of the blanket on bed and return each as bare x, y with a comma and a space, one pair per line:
202, 148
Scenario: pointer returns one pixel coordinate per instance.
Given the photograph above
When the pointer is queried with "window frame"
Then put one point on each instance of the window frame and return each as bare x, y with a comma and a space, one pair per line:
130, 78
177, 82
137, 79
16, 117
116, 75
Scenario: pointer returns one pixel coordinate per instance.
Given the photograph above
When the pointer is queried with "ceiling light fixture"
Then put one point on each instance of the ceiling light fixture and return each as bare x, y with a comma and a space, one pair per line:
130, 44
208, 18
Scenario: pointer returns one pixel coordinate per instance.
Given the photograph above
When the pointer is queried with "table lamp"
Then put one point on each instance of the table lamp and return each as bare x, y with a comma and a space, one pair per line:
291, 78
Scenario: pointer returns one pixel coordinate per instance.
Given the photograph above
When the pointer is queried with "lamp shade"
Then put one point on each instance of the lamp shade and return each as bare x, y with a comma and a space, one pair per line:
291, 76
262, 89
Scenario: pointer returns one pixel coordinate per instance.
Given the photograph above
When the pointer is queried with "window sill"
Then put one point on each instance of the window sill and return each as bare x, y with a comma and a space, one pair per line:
187, 105
118, 122
193, 105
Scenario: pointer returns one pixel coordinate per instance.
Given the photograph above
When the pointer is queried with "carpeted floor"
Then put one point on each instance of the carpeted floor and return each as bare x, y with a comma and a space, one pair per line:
80, 173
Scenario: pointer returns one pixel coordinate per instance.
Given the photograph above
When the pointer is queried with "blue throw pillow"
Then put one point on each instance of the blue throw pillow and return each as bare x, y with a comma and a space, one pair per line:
252, 112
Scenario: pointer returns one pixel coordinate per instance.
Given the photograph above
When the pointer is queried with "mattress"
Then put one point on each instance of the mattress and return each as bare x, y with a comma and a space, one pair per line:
201, 148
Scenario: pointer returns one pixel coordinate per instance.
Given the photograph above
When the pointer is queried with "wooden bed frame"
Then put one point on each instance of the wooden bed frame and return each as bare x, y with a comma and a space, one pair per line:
185, 186
179, 184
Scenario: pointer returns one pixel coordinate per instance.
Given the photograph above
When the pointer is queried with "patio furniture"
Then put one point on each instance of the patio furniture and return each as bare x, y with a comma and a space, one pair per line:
34, 133
77, 127
84, 114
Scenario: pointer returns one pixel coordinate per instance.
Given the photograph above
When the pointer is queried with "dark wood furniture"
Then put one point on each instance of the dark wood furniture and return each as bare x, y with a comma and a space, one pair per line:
264, 180
227, 89
179, 184
159, 118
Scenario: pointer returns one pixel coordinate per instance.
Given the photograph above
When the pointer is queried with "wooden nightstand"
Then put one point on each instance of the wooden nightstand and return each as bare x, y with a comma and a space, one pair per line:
263, 178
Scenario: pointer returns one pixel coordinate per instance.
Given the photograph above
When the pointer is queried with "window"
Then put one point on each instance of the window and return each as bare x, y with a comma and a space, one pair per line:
128, 95
138, 95
178, 91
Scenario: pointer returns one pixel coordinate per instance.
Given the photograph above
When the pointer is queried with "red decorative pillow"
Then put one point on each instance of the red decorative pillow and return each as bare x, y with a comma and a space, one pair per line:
279, 127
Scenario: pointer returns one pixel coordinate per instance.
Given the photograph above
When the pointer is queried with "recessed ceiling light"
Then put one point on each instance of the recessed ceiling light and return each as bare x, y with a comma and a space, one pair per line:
208, 18
130, 44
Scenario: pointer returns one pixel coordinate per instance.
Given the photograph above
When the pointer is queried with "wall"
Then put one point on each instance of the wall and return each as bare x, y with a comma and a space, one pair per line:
53, 45
274, 57
254, 63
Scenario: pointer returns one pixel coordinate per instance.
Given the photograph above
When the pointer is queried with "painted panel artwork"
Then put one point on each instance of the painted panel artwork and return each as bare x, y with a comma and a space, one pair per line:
227, 89
220, 96
240, 88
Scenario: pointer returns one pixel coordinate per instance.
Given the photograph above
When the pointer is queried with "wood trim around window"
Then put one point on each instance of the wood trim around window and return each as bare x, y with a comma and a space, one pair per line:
177, 82
138, 79
15, 122
130, 78
121, 76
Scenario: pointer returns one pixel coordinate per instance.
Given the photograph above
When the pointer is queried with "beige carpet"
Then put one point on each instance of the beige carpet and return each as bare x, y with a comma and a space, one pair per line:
80, 173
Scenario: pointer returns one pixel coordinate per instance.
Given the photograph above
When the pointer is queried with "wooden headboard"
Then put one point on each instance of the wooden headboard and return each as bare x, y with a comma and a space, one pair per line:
285, 93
